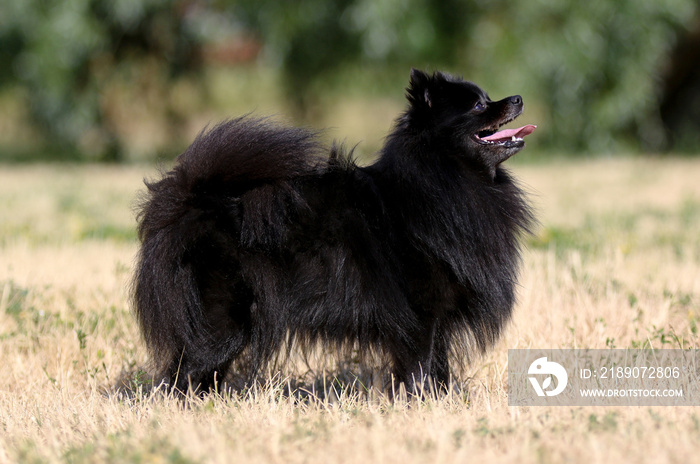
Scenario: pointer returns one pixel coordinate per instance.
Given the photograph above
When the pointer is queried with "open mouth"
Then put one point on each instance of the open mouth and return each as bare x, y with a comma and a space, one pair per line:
507, 137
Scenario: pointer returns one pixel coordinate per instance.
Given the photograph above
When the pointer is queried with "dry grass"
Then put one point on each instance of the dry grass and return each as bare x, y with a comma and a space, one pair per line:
616, 263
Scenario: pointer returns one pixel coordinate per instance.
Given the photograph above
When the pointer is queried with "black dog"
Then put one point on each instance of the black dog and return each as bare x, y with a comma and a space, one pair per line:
257, 240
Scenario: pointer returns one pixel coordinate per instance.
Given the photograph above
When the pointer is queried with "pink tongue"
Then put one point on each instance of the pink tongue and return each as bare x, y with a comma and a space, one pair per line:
509, 133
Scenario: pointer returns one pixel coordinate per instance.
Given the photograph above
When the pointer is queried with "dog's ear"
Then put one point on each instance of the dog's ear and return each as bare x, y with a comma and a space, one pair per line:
419, 92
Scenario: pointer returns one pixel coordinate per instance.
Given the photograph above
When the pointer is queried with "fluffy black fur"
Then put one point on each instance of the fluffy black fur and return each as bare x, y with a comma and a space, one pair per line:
256, 240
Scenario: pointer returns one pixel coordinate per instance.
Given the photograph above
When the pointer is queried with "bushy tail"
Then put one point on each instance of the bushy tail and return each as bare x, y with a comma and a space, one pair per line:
180, 215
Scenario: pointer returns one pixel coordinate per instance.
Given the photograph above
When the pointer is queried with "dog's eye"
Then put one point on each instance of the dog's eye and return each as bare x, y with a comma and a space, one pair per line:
479, 106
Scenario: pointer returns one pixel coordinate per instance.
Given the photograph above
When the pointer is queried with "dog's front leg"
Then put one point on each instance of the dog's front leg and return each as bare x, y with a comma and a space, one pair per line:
423, 358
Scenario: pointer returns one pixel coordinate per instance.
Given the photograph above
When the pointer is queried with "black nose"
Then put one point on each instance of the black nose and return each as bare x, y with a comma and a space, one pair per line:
516, 100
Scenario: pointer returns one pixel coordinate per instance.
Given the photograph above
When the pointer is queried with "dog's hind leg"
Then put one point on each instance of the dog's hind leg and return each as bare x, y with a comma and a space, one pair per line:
202, 370
210, 349
204, 367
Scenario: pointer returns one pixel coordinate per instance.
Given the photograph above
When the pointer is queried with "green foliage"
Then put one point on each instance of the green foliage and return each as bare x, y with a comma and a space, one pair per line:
596, 67
593, 69
591, 72
317, 39
66, 52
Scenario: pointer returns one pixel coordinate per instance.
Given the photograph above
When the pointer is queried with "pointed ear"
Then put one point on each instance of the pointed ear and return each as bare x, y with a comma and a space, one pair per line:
419, 91
418, 77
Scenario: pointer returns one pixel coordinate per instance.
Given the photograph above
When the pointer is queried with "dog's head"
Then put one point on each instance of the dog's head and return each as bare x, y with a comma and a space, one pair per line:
465, 119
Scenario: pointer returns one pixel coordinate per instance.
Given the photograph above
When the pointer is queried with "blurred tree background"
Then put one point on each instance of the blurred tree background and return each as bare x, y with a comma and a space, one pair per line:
121, 80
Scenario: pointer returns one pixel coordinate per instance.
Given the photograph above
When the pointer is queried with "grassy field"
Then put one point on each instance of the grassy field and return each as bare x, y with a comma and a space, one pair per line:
615, 263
